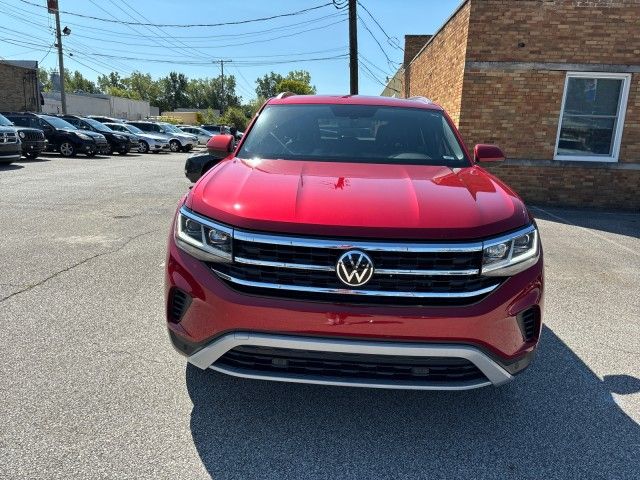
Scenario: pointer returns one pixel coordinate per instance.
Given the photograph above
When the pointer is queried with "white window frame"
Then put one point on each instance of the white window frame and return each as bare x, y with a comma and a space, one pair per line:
619, 126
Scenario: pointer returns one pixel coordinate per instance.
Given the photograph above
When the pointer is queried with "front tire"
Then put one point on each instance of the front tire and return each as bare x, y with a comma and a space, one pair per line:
31, 156
174, 146
143, 147
67, 149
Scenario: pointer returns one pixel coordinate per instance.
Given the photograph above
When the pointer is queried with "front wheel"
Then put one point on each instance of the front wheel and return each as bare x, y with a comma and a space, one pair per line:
174, 146
31, 156
143, 147
67, 149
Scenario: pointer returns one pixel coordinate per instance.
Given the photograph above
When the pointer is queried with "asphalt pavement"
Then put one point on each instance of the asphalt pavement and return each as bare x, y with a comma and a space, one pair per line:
91, 388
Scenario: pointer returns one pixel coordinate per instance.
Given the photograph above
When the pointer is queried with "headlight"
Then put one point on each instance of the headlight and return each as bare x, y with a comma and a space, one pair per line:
511, 254
120, 137
83, 136
21, 134
202, 238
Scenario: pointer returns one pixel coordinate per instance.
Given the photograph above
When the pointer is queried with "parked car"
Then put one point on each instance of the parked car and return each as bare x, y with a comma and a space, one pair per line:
146, 141
10, 146
199, 164
201, 134
221, 129
216, 129
117, 142
186, 141
61, 136
32, 139
386, 259
103, 119
179, 141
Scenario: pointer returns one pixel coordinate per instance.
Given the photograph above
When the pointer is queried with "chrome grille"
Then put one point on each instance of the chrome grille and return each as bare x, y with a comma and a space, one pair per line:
8, 137
405, 273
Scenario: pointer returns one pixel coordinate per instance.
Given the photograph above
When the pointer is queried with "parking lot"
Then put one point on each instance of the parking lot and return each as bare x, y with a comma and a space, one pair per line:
91, 387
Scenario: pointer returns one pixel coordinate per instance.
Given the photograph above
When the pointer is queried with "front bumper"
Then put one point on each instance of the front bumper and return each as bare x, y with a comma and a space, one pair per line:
10, 152
33, 146
487, 332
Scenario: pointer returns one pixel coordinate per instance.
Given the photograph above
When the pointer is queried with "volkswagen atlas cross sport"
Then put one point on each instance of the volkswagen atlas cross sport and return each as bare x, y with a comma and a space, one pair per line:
351, 240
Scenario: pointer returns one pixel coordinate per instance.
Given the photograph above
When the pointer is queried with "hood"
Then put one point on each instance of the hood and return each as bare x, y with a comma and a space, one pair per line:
149, 136
358, 200
92, 134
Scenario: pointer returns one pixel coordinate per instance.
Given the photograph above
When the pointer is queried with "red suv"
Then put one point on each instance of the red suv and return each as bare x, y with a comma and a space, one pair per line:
351, 240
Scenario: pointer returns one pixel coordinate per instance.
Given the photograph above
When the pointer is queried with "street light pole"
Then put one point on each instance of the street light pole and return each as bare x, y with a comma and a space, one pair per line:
63, 98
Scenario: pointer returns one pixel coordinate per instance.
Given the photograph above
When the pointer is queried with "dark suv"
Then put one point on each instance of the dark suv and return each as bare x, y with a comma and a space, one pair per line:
33, 141
117, 142
61, 135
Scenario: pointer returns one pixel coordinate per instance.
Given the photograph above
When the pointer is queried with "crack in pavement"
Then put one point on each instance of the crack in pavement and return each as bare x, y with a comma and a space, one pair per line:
82, 262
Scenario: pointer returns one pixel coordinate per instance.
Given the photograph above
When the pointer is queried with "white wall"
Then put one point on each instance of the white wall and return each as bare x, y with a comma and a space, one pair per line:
105, 105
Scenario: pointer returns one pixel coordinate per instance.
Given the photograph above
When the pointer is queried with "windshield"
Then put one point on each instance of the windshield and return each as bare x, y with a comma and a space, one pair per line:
354, 133
101, 127
4, 121
133, 129
171, 128
57, 122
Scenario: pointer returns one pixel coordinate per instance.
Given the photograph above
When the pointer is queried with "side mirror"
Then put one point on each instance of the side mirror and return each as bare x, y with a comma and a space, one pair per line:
488, 153
220, 146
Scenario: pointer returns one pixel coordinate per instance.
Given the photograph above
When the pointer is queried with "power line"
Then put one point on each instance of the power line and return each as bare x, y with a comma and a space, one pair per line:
384, 52
188, 25
393, 41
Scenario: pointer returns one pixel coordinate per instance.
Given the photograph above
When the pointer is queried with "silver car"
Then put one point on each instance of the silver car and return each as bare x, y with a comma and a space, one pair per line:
178, 140
147, 141
202, 135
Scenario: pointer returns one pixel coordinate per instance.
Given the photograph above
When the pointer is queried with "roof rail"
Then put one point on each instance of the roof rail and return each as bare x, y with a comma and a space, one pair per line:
421, 99
284, 94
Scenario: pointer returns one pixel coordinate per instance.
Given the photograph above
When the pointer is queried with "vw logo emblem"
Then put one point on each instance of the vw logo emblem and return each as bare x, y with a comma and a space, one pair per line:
354, 268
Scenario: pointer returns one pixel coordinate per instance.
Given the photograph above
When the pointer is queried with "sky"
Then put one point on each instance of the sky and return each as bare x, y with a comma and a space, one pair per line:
309, 41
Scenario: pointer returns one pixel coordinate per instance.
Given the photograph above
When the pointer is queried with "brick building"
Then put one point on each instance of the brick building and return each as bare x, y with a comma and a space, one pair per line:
555, 83
19, 87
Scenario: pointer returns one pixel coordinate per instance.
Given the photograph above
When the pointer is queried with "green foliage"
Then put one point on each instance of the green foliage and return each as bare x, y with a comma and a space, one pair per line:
252, 107
44, 77
267, 85
296, 81
121, 92
207, 117
295, 86
235, 117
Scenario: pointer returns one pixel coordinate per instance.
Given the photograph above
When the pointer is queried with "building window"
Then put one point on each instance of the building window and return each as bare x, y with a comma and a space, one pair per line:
592, 116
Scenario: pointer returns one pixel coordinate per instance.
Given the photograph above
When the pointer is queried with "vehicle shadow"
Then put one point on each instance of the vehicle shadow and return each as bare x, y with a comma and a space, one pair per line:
10, 166
621, 223
556, 420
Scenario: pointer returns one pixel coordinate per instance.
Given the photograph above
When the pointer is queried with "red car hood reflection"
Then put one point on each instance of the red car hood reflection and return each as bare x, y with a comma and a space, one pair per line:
358, 200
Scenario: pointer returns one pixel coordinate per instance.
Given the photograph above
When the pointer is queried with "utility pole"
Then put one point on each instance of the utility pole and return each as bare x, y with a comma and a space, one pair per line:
353, 47
63, 98
222, 62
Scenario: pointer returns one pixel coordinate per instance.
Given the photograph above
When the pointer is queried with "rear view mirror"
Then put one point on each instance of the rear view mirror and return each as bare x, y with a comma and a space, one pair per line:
488, 153
220, 146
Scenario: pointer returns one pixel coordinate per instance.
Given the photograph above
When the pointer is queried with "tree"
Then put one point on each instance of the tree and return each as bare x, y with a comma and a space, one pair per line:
123, 92
267, 85
173, 91
252, 107
111, 80
44, 77
77, 83
295, 86
298, 81
235, 117
141, 85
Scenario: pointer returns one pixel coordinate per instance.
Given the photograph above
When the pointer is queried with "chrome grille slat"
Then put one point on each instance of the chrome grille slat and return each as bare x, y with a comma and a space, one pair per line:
347, 291
378, 271
368, 246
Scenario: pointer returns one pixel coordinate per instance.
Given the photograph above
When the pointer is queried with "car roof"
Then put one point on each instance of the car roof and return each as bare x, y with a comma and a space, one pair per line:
414, 102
